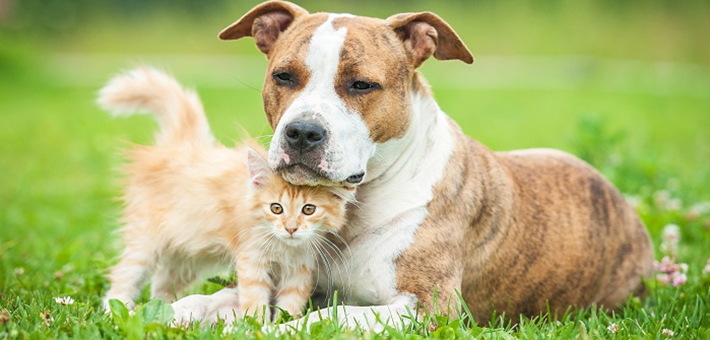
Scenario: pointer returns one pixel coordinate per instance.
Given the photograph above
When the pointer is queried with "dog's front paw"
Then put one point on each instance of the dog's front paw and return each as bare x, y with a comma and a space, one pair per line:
190, 308
284, 328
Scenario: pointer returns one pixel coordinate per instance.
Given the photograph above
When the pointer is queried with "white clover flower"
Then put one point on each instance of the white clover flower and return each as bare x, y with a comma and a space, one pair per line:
671, 238
613, 328
667, 332
697, 210
19, 271
67, 300
661, 197
701, 208
671, 232
633, 200
674, 204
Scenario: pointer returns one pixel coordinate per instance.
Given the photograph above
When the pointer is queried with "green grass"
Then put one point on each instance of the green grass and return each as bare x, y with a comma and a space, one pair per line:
583, 78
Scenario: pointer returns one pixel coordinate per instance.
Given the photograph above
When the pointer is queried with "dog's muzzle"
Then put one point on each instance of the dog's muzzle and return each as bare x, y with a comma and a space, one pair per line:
305, 158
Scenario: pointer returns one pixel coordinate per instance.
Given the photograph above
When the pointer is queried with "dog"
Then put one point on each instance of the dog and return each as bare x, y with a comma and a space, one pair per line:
440, 214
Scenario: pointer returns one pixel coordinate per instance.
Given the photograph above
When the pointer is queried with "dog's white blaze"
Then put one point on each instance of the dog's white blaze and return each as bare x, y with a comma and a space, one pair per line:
405, 171
399, 184
349, 146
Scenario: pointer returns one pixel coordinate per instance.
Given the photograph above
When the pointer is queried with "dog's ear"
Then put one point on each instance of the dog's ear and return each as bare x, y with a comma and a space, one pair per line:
424, 34
265, 23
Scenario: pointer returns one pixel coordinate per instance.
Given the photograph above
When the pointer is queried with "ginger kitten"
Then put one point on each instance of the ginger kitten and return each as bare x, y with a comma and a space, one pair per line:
192, 204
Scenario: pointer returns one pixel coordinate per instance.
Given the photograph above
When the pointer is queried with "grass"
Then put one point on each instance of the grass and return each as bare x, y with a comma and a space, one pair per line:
581, 78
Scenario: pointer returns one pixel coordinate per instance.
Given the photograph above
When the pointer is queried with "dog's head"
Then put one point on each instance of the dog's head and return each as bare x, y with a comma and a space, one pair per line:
338, 85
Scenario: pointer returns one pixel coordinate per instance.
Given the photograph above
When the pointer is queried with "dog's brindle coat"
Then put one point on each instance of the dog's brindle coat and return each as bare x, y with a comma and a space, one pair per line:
514, 232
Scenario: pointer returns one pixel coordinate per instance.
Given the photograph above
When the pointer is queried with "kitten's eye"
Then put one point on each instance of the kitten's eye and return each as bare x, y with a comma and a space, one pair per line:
308, 209
276, 208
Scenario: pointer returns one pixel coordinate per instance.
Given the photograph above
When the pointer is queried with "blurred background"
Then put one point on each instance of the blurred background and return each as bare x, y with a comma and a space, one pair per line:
623, 84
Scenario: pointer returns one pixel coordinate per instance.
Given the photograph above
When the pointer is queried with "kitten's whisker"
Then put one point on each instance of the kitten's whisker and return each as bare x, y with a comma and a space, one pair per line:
315, 260
333, 247
342, 259
327, 266
328, 258
244, 231
272, 248
340, 271
357, 204
262, 246
247, 244
318, 261
342, 240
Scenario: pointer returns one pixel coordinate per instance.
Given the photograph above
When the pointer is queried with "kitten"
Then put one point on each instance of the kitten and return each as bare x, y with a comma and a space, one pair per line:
192, 204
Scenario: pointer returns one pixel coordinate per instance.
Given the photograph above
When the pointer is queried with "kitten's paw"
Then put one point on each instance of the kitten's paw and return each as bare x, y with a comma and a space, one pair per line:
126, 300
262, 314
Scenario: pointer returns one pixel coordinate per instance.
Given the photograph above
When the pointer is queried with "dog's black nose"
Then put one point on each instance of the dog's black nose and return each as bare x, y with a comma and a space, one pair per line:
304, 136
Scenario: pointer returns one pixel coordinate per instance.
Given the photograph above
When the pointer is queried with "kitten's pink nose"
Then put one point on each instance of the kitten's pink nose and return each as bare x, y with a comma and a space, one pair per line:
291, 229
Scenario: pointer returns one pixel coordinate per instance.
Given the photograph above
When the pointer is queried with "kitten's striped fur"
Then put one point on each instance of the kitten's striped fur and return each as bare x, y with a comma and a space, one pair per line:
193, 204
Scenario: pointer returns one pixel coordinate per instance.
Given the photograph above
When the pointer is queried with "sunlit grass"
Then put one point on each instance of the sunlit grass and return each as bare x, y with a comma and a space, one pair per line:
581, 78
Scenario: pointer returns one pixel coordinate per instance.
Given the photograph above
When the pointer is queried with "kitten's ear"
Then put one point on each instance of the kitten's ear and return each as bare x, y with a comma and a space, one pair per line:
259, 170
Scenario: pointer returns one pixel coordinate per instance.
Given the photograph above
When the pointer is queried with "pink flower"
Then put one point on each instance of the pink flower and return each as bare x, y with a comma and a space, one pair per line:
663, 279
667, 265
678, 279
670, 272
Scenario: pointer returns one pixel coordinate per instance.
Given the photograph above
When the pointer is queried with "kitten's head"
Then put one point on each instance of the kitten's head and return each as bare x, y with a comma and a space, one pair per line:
294, 214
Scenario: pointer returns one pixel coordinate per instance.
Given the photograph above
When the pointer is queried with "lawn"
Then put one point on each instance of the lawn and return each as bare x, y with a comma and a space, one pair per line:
624, 86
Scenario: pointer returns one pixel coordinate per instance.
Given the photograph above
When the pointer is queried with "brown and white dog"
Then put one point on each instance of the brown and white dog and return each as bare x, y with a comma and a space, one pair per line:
513, 232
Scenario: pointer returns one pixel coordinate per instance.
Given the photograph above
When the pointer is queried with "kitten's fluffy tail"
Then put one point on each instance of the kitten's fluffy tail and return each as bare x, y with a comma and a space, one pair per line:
147, 90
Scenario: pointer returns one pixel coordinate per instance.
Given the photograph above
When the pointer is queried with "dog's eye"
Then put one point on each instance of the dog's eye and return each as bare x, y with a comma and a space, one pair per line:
363, 86
308, 209
276, 208
284, 78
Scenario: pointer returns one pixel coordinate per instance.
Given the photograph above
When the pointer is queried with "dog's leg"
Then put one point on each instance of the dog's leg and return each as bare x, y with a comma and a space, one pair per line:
128, 277
223, 304
396, 314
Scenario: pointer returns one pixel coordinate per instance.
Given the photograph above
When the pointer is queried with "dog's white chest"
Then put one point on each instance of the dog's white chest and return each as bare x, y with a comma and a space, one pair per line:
366, 271
393, 207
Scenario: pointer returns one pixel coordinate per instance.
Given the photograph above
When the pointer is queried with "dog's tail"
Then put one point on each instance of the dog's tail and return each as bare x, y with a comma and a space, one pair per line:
147, 90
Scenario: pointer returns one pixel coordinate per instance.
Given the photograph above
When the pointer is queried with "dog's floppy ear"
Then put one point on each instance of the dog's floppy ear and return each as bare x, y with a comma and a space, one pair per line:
424, 34
264, 22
